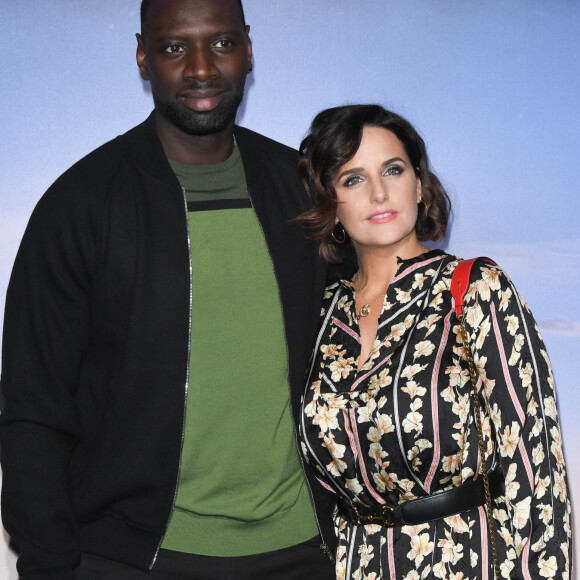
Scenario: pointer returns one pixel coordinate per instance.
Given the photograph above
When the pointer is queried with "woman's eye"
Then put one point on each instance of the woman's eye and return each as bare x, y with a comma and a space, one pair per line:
393, 170
352, 180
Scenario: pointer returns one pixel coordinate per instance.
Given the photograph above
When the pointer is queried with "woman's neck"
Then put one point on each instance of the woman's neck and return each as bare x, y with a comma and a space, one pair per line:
378, 267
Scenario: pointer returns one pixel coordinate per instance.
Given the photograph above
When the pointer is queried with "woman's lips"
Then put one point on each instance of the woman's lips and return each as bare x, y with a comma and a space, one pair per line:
383, 217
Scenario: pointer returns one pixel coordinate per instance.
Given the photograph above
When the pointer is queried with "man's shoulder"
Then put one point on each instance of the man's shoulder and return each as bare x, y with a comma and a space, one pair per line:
111, 152
96, 169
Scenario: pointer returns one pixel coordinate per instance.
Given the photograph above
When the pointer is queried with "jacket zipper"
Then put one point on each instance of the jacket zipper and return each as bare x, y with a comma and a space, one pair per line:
186, 390
324, 547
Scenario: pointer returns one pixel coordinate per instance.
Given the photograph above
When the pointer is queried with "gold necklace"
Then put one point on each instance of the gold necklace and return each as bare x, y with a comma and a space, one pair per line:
365, 309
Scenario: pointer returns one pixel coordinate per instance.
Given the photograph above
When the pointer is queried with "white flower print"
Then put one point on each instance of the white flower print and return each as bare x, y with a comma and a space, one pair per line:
325, 418
526, 373
545, 513
509, 440
332, 350
457, 376
413, 422
419, 281
491, 277
450, 551
559, 487
506, 568
484, 329
521, 512
397, 331
550, 408
458, 524
377, 453
513, 323
365, 414
383, 379
384, 424
538, 426
505, 297
385, 481
341, 368
424, 348
548, 566
403, 296
514, 358
413, 389
354, 486
411, 370
558, 454
474, 558
421, 547
474, 316
440, 287
542, 485
451, 463
366, 554
461, 408
511, 484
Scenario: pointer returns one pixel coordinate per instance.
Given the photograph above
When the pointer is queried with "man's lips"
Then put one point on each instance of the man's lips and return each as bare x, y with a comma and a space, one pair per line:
201, 100
382, 217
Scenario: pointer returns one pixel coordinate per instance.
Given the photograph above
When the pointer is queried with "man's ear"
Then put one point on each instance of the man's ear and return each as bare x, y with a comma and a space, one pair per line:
141, 58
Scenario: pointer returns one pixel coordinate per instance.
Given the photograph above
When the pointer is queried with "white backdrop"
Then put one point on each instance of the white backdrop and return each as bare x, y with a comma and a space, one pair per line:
493, 86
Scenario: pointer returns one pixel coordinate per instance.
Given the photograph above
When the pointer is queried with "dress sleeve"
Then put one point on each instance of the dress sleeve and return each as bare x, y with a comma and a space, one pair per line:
46, 328
523, 438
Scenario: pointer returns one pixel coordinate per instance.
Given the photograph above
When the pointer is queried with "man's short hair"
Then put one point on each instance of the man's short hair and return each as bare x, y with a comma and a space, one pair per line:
145, 9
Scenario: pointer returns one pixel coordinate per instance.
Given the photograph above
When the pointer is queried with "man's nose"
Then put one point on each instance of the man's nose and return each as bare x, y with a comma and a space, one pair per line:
200, 64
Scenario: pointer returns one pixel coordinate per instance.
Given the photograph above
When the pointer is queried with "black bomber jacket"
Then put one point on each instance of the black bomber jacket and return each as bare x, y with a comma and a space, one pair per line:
95, 348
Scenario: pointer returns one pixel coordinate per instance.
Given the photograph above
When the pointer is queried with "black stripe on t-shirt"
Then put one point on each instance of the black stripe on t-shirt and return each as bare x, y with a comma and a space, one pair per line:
215, 204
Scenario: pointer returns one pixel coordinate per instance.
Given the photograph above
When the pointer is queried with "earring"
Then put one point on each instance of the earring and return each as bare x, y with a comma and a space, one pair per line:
340, 239
425, 211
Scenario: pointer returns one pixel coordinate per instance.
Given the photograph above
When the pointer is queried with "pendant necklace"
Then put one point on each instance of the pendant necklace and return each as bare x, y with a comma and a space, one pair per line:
365, 309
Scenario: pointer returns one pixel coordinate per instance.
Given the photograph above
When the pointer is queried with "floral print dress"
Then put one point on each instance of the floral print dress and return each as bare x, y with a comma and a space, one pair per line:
402, 428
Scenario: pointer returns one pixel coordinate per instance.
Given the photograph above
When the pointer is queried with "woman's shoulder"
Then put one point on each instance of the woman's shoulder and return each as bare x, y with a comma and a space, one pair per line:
488, 284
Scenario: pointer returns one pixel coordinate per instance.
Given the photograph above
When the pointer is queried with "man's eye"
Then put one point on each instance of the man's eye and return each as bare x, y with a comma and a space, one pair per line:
223, 44
393, 170
353, 180
174, 48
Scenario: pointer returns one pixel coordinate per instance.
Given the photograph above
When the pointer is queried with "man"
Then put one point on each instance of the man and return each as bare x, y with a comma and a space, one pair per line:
161, 304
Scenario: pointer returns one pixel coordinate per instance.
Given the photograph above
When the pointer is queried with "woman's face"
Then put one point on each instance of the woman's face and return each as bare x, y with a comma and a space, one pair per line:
378, 192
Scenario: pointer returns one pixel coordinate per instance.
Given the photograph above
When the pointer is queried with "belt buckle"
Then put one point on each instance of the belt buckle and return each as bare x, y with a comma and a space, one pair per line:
385, 517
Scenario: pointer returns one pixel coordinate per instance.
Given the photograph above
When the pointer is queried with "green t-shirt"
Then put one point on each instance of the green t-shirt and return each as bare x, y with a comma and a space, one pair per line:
241, 490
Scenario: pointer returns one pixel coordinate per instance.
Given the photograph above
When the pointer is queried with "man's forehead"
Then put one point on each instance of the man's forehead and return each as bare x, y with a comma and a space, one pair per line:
230, 10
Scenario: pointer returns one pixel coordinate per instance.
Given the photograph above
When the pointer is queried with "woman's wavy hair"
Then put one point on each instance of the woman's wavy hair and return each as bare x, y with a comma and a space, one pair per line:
333, 139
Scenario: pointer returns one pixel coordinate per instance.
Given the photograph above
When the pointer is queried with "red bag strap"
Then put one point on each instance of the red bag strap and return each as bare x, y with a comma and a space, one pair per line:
460, 282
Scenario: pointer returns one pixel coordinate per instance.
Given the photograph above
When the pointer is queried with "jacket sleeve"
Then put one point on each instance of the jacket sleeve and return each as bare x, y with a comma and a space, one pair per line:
46, 328
523, 438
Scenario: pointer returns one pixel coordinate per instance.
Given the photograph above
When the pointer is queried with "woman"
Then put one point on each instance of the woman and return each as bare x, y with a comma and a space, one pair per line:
387, 414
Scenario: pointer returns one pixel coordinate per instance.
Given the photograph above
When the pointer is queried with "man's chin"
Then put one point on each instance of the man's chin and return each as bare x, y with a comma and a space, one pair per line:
200, 123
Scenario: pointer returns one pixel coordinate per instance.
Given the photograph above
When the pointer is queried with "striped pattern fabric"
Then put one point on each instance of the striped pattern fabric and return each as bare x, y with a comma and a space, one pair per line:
402, 427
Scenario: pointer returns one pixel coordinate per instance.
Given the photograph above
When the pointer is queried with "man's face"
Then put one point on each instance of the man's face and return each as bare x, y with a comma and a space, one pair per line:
196, 54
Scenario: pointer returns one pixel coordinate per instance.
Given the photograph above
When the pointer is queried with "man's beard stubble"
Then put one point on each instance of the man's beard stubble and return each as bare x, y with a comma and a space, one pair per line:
203, 122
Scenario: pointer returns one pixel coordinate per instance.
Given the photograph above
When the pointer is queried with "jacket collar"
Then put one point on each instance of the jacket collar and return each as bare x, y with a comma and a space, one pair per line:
142, 143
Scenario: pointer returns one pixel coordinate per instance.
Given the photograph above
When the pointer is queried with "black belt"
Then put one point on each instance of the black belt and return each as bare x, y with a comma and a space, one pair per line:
425, 509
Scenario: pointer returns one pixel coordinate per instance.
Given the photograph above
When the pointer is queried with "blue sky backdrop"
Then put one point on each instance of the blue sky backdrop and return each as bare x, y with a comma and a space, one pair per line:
492, 86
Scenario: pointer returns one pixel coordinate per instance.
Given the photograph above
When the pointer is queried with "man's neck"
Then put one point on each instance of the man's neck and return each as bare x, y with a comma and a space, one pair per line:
195, 149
